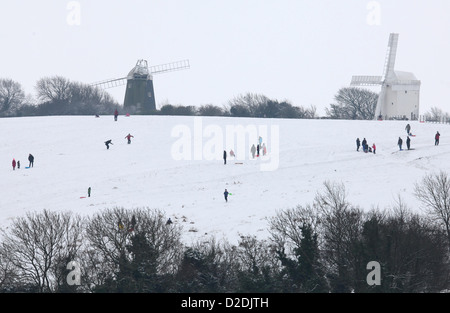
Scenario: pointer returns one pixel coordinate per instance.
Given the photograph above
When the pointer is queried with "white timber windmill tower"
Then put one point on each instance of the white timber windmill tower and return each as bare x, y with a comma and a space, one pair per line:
400, 91
139, 92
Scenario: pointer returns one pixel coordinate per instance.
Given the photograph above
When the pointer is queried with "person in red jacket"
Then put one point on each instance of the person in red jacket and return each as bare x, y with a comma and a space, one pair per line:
129, 138
436, 139
374, 148
14, 164
116, 114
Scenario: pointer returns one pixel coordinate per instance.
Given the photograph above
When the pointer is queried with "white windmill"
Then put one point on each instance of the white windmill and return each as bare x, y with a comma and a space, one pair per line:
399, 96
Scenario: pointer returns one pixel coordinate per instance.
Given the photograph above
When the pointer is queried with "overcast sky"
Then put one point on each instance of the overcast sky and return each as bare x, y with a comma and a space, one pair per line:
302, 51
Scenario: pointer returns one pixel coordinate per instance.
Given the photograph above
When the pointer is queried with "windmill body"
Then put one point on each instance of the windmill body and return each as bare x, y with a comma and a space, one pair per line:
400, 91
139, 92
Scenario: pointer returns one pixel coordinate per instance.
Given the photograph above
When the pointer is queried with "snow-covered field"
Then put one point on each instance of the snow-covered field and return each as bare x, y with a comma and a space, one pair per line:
157, 170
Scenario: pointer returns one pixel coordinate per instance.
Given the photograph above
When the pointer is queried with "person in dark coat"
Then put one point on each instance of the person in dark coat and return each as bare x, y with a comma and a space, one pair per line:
224, 157
408, 142
400, 142
89, 191
18, 164
31, 159
107, 143
436, 139
169, 221
364, 145
116, 114
257, 150
358, 144
408, 129
226, 195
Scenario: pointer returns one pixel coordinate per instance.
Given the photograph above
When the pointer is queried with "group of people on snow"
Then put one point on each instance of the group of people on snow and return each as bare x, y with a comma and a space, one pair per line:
400, 143
109, 142
259, 146
30, 159
255, 150
408, 140
365, 146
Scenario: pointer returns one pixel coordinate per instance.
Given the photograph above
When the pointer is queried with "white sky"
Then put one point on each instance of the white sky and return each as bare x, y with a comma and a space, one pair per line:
296, 50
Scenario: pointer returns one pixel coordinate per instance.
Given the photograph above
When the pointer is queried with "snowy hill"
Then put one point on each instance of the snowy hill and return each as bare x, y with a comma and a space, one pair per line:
158, 171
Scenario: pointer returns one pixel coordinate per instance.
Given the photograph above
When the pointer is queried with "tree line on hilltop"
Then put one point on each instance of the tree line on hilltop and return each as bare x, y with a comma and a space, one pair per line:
322, 247
57, 95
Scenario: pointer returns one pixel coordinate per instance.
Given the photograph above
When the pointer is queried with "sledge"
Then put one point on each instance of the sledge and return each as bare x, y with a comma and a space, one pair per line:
27, 167
238, 163
82, 197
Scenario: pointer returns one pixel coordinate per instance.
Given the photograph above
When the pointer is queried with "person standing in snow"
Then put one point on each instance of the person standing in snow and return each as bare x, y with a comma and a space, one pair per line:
18, 164
264, 149
364, 145
358, 144
14, 164
232, 153
408, 142
400, 142
408, 129
116, 114
31, 159
224, 157
253, 150
374, 148
107, 143
225, 194
257, 150
89, 191
436, 139
129, 136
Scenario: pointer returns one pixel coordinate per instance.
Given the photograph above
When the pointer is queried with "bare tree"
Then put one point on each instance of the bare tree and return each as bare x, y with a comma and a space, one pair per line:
12, 96
111, 232
434, 193
284, 226
38, 247
436, 115
210, 110
341, 226
55, 88
250, 101
353, 103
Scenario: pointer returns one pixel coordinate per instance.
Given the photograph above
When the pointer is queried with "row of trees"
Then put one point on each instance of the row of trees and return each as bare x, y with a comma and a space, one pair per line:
245, 105
320, 247
55, 96
59, 96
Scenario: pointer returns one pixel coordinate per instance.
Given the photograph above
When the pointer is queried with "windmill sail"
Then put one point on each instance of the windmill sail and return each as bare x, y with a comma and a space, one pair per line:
390, 57
365, 81
110, 83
